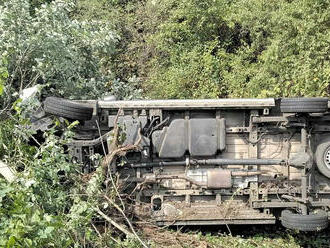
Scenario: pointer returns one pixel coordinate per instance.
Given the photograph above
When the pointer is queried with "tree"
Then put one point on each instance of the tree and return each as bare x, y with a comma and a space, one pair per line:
221, 48
49, 47
287, 53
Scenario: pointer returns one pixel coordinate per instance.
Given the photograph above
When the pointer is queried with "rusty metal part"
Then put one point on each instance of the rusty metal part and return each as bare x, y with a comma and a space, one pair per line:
93, 142
184, 177
237, 130
227, 212
218, 178
263, 119
222, 161
245, 221
153, 179
289, 204
246, 173
304, 139
293, 198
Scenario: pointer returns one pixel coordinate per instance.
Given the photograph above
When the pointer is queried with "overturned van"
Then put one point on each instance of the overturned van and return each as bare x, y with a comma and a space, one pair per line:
214, 162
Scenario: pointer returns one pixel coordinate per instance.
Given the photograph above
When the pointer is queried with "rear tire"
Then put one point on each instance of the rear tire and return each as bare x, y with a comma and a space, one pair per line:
308, 223
322, 157
67, 109
304, 105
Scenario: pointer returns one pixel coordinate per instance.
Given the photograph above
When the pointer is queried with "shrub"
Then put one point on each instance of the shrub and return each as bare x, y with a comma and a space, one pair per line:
223, 48
49, 47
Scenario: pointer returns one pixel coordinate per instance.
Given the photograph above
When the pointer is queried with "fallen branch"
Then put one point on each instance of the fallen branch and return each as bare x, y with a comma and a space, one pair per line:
115, 224
100, 236
114, 151
127, 220
120, 151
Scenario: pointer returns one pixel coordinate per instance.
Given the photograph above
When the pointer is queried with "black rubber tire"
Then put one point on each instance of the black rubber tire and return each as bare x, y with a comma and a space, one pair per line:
304, 105
67, 109
321, 150
308, 223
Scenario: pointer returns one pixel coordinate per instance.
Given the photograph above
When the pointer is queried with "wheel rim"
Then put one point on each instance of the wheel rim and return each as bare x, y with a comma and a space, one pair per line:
327, 158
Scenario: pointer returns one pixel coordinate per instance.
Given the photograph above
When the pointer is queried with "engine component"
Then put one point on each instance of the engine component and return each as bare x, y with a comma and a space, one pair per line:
217, 179
221, 178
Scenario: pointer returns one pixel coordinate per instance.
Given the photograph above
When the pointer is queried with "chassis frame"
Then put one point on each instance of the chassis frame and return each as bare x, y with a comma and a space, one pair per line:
239, 178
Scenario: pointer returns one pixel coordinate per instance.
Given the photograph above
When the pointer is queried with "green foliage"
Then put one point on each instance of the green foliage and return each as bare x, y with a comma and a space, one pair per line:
126, 90
49, 47
92, 10
49, 205
270, 237
166, 49
185, 66
283, 240
37, 3
172, 48
3, 75
226, 49
169, 49
286, 53
33, 208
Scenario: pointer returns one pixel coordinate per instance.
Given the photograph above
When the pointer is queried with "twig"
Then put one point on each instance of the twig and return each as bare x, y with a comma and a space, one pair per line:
97, 231
98, 128
100, 236
112, 147
108, 160
122, 150
127, 220
229, 229
114, 151
115, 224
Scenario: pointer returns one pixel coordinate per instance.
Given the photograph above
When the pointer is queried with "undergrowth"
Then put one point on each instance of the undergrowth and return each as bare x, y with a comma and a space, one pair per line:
49, 205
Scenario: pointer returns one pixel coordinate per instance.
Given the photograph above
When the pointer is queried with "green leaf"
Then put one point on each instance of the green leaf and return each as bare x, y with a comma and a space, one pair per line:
73, 124
11, 242
28, 242
1, 88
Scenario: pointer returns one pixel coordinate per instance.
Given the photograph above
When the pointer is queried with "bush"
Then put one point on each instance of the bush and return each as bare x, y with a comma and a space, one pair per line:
32, 208
49, 47
181, 46
286, 53
46, 205
228, 49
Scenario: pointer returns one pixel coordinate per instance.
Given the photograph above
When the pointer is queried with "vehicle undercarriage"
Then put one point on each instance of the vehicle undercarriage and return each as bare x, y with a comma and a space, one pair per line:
212, 162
